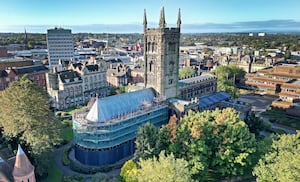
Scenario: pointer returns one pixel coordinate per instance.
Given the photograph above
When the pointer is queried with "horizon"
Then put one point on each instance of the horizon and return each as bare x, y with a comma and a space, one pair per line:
198, 16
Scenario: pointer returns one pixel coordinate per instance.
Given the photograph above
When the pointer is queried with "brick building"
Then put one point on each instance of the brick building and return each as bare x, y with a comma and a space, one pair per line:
36, 73
283, 79
6, 63
271, 79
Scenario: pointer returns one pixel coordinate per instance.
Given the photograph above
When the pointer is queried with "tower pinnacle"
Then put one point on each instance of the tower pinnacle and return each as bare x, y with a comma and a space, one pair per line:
145, 19
179, 19
162, 22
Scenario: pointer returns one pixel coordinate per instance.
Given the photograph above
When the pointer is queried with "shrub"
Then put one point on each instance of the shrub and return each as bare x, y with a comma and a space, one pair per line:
65, 158
89, 170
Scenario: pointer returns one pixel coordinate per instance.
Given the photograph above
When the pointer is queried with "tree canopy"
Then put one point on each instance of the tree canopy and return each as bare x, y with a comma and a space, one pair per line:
162, 168
282, 162
27, 119
186, 72
227, 76
215, 142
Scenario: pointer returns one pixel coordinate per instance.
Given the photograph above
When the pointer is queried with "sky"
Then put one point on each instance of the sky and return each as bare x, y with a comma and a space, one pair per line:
117, 16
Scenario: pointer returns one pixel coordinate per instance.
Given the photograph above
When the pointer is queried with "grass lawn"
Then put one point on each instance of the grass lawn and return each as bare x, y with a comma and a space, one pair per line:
67, 135
279, 116
54, 174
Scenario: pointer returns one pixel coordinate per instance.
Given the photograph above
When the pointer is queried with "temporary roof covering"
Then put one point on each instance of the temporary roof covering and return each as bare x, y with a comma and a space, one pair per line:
109, 107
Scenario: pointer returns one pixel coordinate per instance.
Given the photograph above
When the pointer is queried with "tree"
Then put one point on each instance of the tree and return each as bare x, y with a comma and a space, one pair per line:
186, 72
164, 168
217, 140
129, 171
227, 76
254, 123
26, 118
282, 162
146, 141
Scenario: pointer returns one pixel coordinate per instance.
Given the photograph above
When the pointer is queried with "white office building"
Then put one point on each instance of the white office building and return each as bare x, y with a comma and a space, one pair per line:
60, 46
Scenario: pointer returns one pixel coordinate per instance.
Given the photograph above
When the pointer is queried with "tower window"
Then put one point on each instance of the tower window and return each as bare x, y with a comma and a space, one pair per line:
170, 81
150, 66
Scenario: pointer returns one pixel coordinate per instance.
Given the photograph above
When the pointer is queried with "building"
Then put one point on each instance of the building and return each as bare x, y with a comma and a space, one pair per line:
282, 79
75, 83
18, 169
6, 63
221, 100
289, 95
105, 133
3, 52
60, 46
118, 76
36, 73
65, 89
197, 86
161, 57
271, 79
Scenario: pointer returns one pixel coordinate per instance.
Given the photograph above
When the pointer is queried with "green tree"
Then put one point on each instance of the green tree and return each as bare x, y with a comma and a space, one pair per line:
186, 72
164, 168
217, 140
129, 171
146, 141
282, 162
227, 76
254, 123
26, 118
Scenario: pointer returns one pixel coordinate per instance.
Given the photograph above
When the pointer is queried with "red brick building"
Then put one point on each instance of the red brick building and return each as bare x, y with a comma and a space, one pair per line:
6, 63
283, 80
36, 73
3, 52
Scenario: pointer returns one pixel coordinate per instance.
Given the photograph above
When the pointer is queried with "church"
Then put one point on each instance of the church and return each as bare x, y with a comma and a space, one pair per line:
105, 133
18, 169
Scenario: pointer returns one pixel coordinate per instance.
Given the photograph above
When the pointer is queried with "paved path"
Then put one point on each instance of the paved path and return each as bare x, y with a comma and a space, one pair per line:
68, 172
58, 156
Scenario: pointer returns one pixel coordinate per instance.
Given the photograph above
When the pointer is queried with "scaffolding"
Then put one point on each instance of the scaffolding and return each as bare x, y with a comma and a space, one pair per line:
118, 129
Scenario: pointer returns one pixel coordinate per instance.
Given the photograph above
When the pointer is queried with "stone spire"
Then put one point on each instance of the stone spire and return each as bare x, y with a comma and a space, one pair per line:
179, 19
23, 169
145, 19
162, 22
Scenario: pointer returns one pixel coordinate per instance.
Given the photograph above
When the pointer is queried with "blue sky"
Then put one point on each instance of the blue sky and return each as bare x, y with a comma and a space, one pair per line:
127, 16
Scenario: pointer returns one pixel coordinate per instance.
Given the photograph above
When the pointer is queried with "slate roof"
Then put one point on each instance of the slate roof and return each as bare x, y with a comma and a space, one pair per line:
195, 79
79, 65
110, 107
211, 99
3, 73
92, 67
30, 69
68, 74
6, 169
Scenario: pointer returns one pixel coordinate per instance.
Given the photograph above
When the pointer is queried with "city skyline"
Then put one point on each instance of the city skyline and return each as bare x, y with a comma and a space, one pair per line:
119, 16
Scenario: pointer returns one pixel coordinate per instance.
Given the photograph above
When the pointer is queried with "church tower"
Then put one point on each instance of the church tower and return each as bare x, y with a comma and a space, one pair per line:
23, 169
161, 55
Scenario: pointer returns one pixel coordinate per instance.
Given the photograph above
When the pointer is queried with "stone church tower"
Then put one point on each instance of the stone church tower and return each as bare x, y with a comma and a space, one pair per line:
161, 55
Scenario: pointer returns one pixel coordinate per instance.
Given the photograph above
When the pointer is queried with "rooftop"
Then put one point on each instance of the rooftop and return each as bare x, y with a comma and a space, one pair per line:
195, 79
109, 107
209, 100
